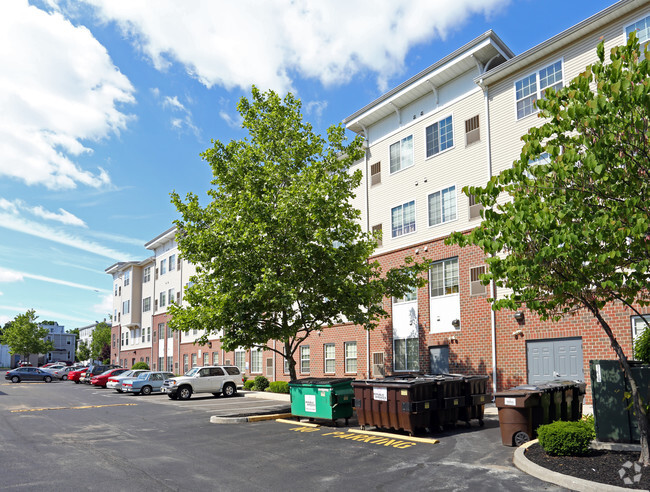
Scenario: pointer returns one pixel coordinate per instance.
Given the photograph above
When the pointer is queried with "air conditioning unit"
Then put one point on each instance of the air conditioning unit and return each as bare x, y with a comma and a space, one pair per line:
475, 211
378, 369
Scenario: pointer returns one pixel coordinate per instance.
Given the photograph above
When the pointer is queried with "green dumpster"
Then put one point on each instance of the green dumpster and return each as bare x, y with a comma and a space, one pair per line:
322, 398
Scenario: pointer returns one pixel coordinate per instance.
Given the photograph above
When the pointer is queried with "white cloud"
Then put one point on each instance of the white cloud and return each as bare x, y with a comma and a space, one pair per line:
232, 121
14, 276
174, 103
10, 276
59, 90
236, 44
315, 108
40, 313
62, 216
105, 305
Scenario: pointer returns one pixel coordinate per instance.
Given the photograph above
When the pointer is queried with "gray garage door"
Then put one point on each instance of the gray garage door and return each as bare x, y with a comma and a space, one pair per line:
551, 359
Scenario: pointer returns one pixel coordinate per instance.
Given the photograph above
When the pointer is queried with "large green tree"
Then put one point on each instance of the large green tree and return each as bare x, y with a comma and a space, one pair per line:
279, 249
25, 337
100, 343
573, 233
83, 351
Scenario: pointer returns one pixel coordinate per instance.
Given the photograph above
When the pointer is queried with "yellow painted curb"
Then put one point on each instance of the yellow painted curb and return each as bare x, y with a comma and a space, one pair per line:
74, 408
296, 422
276, 416
395, 436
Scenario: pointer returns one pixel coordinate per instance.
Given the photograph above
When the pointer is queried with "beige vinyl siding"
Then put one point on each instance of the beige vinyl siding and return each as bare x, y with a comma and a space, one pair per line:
359, 200
458, 166
506, 129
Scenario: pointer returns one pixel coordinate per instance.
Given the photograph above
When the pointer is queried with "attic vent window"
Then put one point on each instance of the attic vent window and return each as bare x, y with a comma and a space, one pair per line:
375, 174
472, 131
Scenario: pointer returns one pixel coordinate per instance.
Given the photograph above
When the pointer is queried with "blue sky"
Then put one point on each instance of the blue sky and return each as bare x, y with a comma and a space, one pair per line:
105, 107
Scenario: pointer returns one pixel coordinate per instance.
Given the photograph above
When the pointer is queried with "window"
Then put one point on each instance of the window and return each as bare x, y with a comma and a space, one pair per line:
170, 363
472, 131
126, 307
642, 29
531, 88
403, 219
330, 357
412, 295
215, 358
171, 296
144, 335
444, 278
375, 174
351, 357
127, 278
185, 363
194, 364
639, 325
406, 354
126, 338
172, 262
161, 363
115, 289
240, 359
146, 304
286, 362
439, 136
206, 359
442, 206
169, 332
163, 267
162, 302
304, 359
256, 361
401, 154
146, 275
149, 334
113, 340
122, 339
377, 232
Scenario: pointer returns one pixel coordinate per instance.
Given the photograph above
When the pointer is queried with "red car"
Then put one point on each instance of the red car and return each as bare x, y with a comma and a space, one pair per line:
102, 379
75, 375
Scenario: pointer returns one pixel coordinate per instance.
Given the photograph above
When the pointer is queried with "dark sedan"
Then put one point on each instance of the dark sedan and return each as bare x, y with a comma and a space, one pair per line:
28, 374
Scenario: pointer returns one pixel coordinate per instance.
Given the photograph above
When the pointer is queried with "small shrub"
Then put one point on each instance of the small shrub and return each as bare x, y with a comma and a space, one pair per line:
244, 377
566, 438
279, 387
248, 384
642, 347
140, 365
590, 423
261, 383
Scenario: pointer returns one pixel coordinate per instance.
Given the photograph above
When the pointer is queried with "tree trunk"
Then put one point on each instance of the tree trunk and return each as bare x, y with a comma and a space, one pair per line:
638, 405
291, 362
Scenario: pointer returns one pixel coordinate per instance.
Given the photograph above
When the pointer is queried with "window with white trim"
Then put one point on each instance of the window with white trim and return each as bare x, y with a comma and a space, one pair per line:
206, 359
403, 219
186, 361
162, 301
406, 354
146, 304
642, 28
639, 325
350, 357
172, 262
531, 88
442, 206
149, 334
304, 359
194, 360
411, 295
170, 297
401, 154
215, 358
439, 136
256, 361
146, 275
443, 278
330, 357
240, 359
163, 266
126, 307
127, 278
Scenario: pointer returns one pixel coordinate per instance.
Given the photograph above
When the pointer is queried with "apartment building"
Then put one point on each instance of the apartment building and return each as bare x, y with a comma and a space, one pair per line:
456, 123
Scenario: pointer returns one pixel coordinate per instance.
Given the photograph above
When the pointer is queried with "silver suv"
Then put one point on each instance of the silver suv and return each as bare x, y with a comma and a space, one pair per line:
207, 379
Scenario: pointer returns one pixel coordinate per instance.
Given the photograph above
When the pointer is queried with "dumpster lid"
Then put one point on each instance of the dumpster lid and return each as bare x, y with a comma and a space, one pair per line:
319, 381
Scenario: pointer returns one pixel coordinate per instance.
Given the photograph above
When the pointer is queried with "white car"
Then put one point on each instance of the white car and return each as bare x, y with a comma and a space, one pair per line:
115, 382
218, 380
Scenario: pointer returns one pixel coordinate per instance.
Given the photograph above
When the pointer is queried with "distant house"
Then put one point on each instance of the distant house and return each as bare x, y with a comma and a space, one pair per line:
65, 344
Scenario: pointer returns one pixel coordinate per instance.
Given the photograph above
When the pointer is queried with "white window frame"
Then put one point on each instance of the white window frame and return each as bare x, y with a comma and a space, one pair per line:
163, 266
126, 307
146, 275
349, 359
149, 334
637, 325
441, 203
539, 90
645, 18
406, 368
331, 359
146, 304
444, 278
170, 297
162, 302
426, 140
256, 361
127, 278
215, 358
305, 359
401, 145
172, 262
410, 296
240, 359
392, 228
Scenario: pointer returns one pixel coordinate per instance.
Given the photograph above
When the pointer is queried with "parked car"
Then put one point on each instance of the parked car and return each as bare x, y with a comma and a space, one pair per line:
95, 370
146, 383
115, 382
76, 375
28, 374
59, 372
209, 379
24, 364
102, 379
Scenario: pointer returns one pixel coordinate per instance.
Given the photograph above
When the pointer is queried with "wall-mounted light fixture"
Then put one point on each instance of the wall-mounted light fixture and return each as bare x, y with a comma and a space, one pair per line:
209, 344
519, 316
518, 333
453, 339
456, 323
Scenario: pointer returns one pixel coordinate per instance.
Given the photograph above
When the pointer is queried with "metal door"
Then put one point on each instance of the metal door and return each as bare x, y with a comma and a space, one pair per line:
439, 359
553, 359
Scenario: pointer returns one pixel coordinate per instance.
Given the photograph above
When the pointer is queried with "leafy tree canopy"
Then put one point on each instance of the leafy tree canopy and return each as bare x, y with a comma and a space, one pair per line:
566, 228
24, 337
101, 339
279, 250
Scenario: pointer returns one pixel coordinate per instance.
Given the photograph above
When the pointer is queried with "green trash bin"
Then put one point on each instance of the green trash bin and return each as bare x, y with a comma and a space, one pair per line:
322, 398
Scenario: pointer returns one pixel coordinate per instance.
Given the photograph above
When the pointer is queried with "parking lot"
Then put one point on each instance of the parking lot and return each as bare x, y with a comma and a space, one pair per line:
62, 436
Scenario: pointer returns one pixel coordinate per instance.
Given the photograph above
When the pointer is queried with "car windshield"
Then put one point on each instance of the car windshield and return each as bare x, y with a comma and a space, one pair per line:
192, 371
143, 375
127, 374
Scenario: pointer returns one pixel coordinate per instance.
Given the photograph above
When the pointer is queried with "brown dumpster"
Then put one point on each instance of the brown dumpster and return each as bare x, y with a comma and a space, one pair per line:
516, 415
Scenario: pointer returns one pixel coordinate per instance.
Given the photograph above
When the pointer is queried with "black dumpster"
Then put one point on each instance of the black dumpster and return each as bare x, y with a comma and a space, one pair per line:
475, 392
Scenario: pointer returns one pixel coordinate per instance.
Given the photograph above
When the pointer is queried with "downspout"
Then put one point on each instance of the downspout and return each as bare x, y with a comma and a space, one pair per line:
493, 314
180, 267
367, 175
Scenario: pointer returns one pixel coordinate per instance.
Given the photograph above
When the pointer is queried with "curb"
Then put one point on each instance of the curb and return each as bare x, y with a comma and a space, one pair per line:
573, 483
251, 418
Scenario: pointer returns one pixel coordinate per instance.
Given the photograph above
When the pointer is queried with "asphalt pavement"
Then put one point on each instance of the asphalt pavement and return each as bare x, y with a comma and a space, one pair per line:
62, 436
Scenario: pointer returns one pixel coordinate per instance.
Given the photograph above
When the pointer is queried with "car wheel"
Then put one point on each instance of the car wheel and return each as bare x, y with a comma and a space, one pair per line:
47, 379
146, 390
119, 391
173, 397
15, 379
76, 382
65, 378
229, 389
216, 395
184, 393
